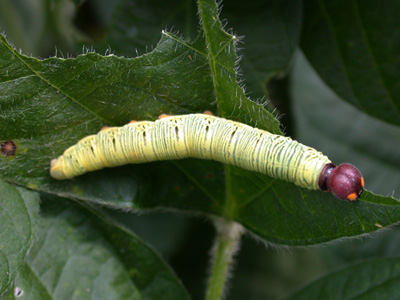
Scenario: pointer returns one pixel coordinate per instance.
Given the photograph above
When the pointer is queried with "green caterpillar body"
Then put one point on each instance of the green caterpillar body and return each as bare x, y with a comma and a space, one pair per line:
195, 135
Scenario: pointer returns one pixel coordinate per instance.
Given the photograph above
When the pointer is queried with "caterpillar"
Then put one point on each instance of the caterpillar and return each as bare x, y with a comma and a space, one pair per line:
206, 136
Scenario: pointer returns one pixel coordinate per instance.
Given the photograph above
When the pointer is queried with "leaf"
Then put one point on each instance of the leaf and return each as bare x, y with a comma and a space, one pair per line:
135, 25
82, 254
344, 133
270, 31
48, 105
18, 215
355, 48
28, 286
374, 279
285, 220
37, 26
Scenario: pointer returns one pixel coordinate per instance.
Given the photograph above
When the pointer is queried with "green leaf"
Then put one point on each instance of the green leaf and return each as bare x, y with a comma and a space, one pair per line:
135, 26
354, 137
221, 57
277, 22
27, 286
355, 48
270, 30
285, 220
82, 254
18, 215
344, 133
374, 279
48, 105
37, 26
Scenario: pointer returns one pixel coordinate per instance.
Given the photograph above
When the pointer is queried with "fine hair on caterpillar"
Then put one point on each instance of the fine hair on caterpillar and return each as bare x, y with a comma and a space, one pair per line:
206, 136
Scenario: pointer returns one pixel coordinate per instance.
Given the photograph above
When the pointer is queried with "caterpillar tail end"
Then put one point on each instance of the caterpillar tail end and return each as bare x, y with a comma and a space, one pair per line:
56, 170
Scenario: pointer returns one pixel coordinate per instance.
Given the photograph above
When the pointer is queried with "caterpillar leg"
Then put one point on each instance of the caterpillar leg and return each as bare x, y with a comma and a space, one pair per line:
163, 116
207, 112
133, 122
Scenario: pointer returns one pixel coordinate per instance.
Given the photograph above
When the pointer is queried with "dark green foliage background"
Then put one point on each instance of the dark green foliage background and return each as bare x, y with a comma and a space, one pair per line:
330, 69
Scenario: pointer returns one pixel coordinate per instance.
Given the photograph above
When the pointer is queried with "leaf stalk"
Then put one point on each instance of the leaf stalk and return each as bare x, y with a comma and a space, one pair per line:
225, 247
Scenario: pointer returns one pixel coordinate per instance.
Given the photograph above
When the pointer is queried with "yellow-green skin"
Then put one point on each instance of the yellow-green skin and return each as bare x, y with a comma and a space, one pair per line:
195, 135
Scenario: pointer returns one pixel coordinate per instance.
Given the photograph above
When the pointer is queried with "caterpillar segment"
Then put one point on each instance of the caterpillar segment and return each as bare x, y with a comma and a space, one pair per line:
206, 136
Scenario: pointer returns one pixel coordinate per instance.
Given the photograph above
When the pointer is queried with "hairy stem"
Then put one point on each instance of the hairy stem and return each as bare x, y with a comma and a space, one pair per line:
225, 247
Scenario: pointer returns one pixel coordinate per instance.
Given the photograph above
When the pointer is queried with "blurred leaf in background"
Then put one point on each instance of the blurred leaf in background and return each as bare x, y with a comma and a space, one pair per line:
40, 27
354, 46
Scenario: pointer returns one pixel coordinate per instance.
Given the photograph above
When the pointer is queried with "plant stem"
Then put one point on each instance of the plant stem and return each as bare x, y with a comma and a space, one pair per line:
225, 247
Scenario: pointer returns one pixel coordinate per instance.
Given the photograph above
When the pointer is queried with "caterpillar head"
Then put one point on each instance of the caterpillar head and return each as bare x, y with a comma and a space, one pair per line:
344, 181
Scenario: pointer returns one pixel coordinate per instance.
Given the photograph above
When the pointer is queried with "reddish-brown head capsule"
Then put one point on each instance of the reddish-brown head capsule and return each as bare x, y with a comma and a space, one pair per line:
344, 181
